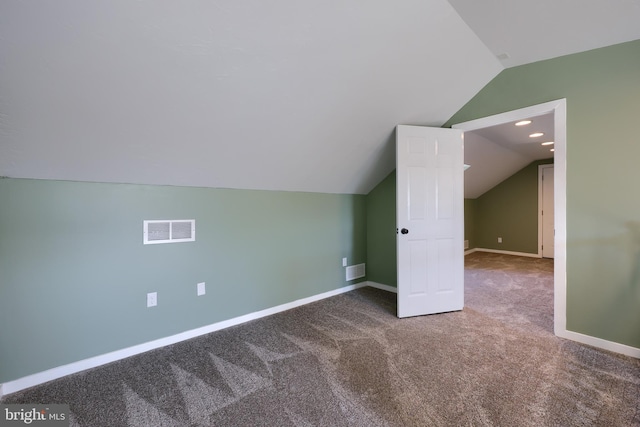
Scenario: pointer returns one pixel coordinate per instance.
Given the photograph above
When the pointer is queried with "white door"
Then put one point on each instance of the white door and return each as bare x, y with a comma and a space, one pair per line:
547, 212
430, 239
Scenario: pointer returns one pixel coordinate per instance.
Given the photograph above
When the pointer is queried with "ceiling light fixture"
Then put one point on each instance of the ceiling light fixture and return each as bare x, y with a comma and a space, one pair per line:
548, 143
553, 149
523, 123
535, 135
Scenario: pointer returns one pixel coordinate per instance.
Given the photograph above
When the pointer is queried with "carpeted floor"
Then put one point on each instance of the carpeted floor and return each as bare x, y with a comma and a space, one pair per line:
349, 361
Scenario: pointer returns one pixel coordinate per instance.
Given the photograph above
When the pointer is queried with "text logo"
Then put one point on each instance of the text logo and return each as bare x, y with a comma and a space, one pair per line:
34, 415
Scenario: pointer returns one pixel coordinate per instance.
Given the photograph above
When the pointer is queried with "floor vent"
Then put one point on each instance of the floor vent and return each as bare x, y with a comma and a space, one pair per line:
355, 271
168, 231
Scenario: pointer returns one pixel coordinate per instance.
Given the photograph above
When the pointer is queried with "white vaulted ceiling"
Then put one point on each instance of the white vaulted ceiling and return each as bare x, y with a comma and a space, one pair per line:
278, 95
524, 31
497, 152
282, 95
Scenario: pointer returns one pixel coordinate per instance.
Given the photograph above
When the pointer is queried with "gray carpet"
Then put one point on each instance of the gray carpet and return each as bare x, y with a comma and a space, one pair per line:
349, 361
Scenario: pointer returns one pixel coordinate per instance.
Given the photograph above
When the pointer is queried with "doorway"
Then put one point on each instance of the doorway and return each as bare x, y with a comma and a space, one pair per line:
545, 211
558, 109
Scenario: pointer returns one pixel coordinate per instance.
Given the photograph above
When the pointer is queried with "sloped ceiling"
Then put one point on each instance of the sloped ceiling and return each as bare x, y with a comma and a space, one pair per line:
277, 95
524, 31
520, 32
497, 152
286, 95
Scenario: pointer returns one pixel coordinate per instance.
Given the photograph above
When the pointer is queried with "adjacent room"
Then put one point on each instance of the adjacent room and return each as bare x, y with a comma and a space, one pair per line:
201, 212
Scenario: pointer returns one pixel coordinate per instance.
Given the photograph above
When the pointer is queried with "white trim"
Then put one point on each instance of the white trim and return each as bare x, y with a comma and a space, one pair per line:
470, 251
498, 251
383, 287
574, 336
94, 362
540, 184
103, 359
601, 344
559, 110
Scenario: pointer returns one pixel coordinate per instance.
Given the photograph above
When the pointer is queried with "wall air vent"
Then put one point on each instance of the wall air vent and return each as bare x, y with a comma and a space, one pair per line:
355, 271
168, 231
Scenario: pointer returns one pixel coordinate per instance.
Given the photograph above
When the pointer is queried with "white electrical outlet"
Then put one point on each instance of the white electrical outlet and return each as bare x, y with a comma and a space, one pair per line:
344, 261
499, 239
152, 299
201, 289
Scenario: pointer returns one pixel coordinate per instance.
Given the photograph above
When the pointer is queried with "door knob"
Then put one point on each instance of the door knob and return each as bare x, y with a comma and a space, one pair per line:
404, 231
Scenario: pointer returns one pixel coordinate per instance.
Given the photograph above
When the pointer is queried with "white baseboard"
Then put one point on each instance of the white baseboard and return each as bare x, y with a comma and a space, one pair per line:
600, 343
497, 251
573, 336
94, 362
103, 359
383, 287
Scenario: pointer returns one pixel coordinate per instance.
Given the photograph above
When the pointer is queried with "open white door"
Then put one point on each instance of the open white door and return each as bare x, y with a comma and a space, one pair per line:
430, 220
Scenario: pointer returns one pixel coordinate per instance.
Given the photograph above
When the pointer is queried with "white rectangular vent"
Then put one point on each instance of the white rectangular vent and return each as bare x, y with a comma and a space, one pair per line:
168, 231
355, 271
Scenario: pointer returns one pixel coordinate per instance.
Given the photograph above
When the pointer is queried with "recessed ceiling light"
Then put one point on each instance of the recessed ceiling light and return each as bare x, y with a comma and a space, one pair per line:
548, 143
535, 135
523, 123
553, 149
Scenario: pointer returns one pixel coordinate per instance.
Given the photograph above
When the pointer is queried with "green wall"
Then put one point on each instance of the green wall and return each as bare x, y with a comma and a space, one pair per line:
470, 207
74, 273
381, 232
602, 88
510, 210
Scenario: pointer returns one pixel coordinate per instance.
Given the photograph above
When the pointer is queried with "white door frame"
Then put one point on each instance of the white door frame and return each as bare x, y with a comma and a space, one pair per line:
559, 110
540, 217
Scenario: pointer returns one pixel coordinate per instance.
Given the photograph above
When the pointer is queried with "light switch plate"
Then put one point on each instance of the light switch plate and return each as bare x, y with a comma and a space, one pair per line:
201, 289
344, 261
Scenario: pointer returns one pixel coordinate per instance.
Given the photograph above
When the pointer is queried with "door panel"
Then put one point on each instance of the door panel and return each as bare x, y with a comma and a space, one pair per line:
430, 207
419, 268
